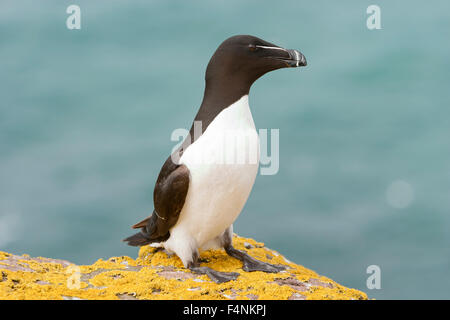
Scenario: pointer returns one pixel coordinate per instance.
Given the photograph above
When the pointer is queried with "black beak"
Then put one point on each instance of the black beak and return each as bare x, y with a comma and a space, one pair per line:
290, 57
297, 59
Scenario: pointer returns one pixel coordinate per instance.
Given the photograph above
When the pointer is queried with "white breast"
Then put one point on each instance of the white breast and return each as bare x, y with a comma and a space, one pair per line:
223, 163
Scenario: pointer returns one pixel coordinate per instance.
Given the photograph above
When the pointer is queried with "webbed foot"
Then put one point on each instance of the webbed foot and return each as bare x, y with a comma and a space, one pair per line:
250, 264
216, 276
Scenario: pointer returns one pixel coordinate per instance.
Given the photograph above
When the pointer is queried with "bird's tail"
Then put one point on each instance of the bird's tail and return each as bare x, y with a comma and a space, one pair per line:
138, 239
149, 233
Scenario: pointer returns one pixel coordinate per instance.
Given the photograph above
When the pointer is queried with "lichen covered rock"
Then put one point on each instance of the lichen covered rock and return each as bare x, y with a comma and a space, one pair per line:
157, 275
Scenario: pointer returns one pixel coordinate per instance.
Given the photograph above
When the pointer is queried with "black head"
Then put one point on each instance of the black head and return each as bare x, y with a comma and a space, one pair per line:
233, 68
242, 59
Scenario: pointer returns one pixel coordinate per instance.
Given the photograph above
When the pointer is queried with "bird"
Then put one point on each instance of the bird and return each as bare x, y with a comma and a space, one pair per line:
201, 189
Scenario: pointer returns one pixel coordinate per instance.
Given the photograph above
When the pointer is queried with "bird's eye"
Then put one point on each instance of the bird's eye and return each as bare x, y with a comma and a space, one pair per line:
252, 47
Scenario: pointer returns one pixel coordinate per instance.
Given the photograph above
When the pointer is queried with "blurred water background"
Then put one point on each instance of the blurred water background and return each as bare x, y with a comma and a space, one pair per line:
86, 117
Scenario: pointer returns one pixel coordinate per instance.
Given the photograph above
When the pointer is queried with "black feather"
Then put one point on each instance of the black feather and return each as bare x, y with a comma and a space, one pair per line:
138, 240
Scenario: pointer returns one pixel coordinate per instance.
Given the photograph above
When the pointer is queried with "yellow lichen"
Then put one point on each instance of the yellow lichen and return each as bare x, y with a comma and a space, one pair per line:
157, 275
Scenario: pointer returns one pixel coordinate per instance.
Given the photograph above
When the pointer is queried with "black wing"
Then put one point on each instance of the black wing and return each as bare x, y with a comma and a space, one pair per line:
168, 196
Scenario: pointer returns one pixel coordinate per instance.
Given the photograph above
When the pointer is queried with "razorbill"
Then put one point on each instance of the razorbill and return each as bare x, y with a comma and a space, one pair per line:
196, 202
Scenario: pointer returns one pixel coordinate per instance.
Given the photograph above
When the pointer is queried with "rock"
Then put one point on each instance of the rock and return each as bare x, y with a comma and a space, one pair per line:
157, 275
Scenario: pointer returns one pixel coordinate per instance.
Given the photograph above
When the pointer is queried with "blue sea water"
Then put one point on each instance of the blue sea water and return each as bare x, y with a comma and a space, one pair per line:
86, 117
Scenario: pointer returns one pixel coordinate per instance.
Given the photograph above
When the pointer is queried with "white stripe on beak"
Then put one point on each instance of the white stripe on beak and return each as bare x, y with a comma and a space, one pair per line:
273, 48
297, 57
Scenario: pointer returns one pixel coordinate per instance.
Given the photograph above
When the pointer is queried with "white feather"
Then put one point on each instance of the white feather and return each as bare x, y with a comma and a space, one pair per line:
218, 188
